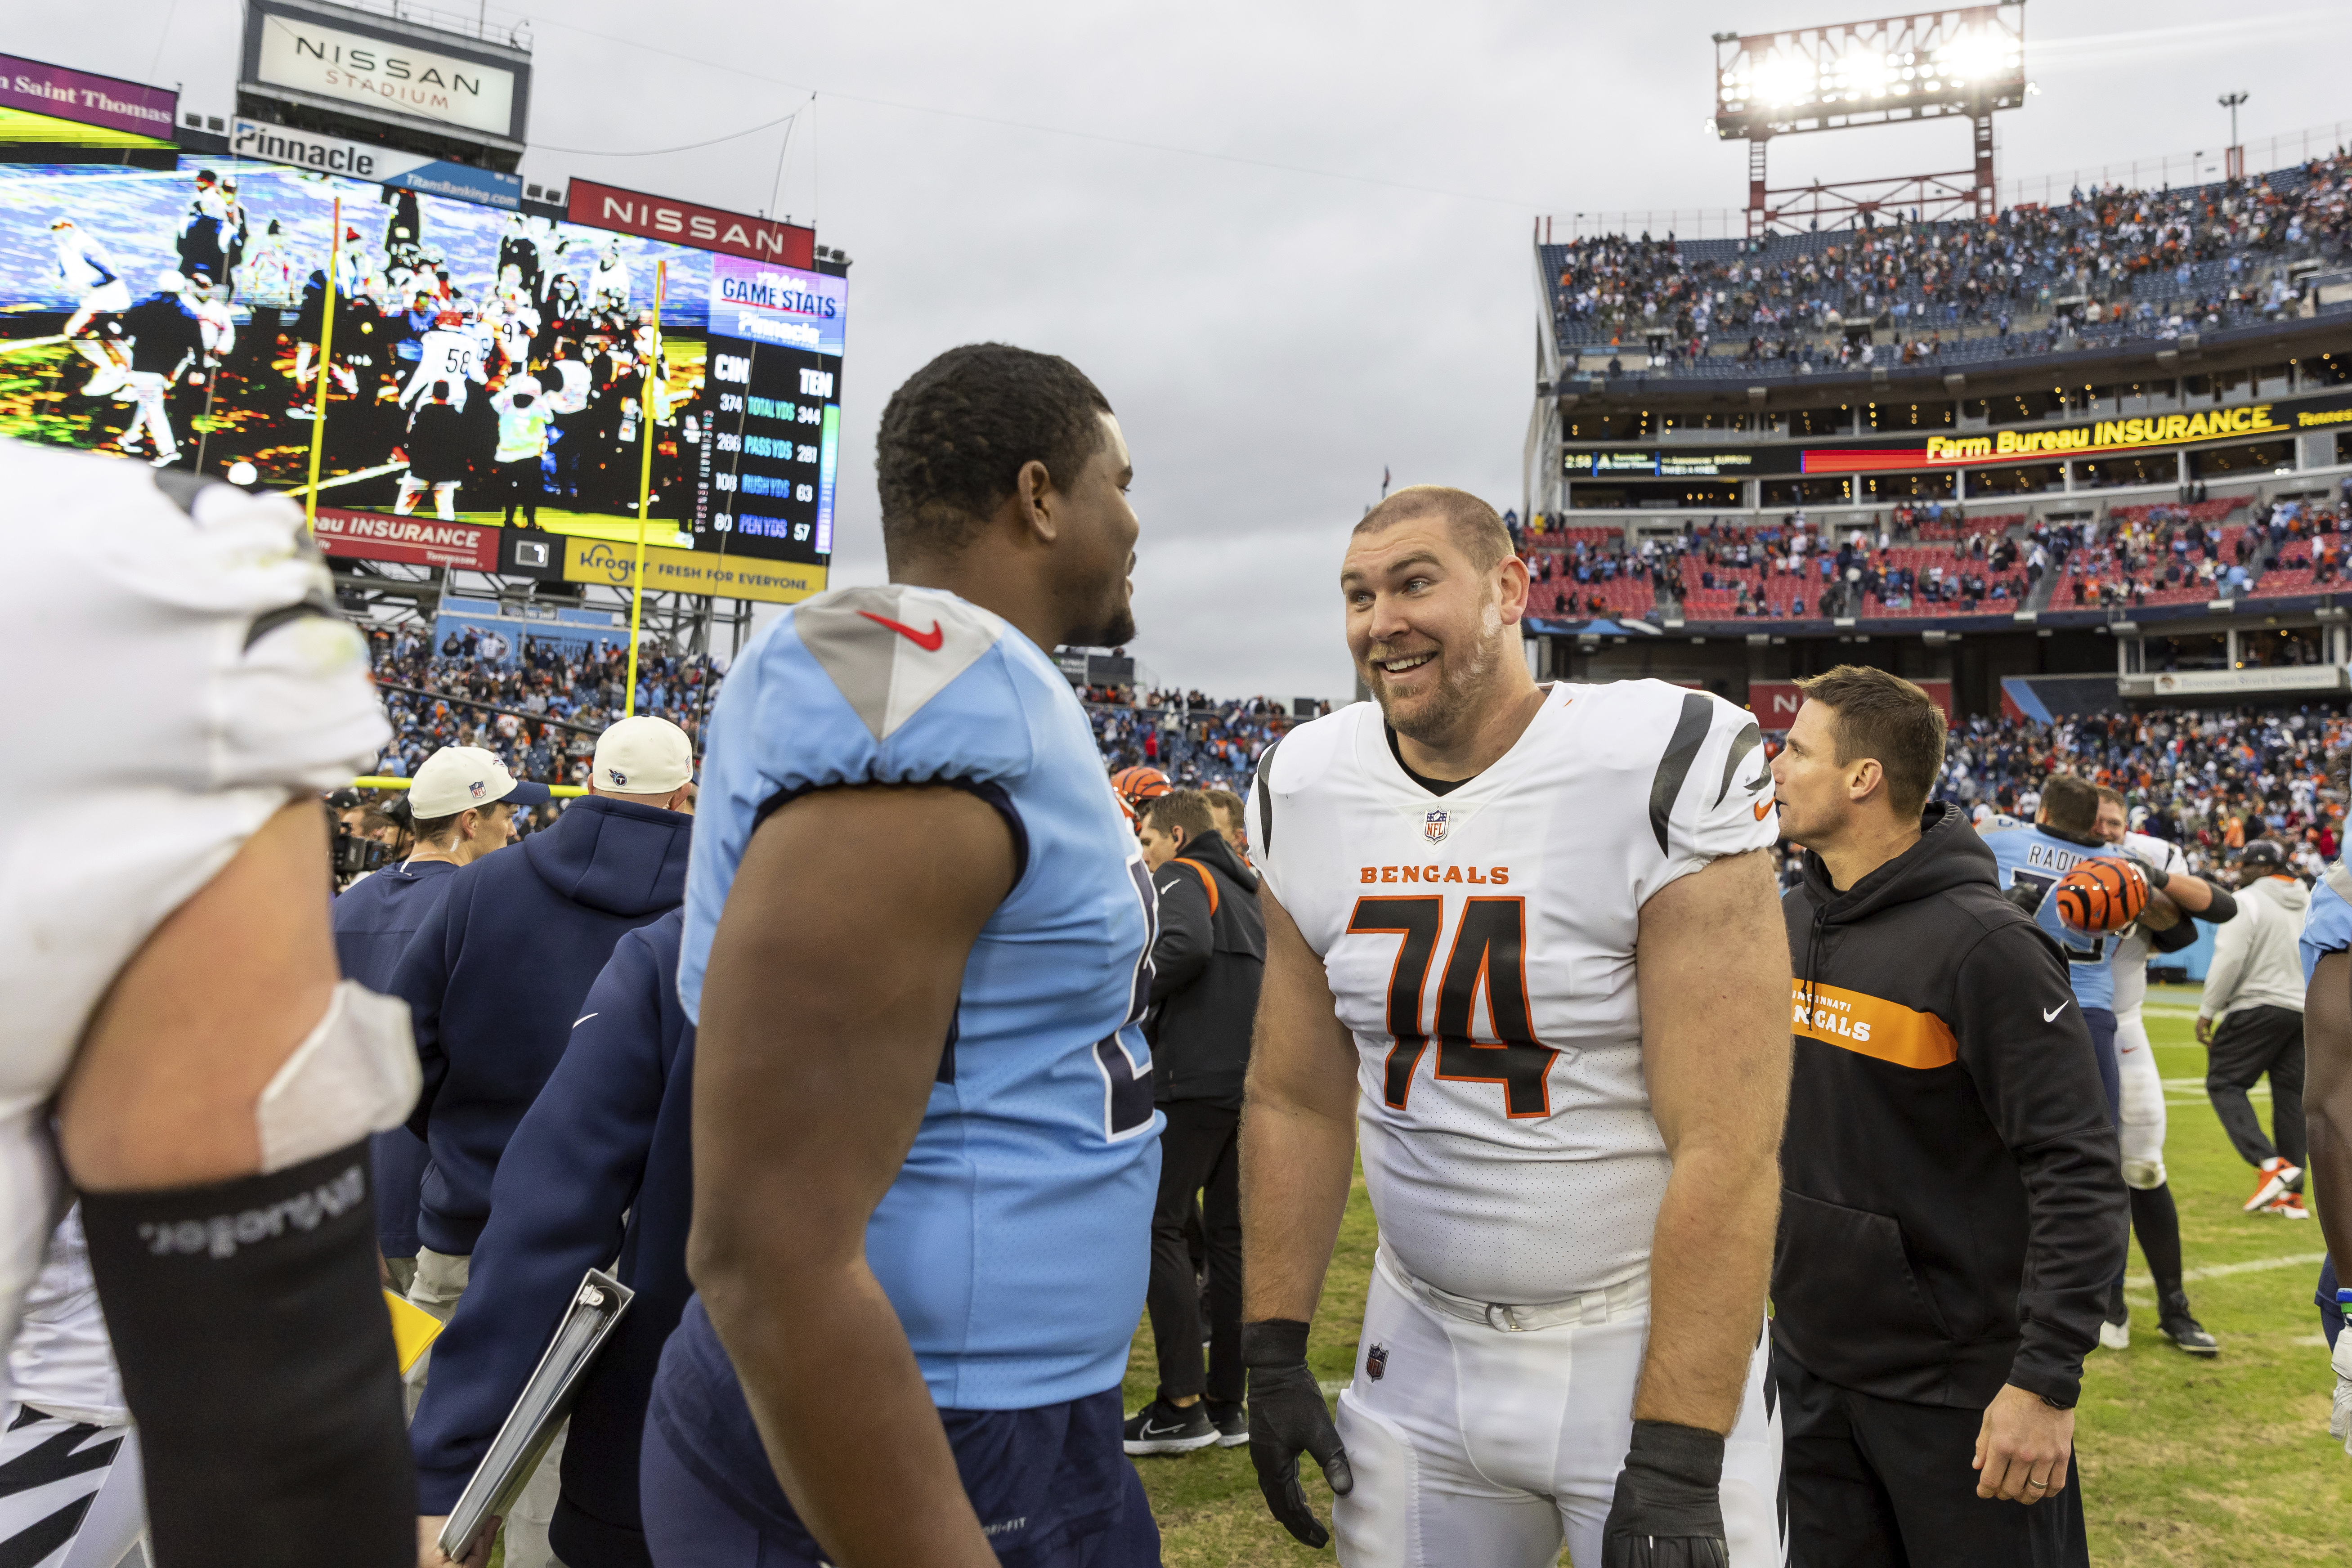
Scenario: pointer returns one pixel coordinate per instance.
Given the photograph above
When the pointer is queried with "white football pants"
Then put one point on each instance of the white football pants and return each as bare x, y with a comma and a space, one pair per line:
2143, 1129
1483, 1446
49, 1468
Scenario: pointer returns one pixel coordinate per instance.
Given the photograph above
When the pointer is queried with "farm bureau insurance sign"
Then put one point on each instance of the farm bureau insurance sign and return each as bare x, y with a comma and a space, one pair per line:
398, 78
416, 540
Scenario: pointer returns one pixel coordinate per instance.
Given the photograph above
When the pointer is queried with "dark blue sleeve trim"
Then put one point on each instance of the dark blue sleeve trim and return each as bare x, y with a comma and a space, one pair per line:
993, 793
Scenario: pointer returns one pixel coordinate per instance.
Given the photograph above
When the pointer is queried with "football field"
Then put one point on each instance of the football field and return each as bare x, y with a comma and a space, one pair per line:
2183, 1461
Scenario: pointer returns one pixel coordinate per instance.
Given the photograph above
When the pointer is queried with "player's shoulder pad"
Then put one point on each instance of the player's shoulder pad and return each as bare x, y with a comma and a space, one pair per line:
2329, 911
890, 684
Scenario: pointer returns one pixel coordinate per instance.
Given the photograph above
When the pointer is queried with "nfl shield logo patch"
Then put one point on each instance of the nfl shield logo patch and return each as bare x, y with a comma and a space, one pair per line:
478, 789
1433, 827
1376, 1362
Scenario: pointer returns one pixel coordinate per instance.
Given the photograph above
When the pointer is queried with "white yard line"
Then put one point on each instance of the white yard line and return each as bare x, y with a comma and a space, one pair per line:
2219, 1270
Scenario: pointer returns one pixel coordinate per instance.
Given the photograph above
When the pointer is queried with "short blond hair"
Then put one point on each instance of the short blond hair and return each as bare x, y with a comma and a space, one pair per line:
1477, 528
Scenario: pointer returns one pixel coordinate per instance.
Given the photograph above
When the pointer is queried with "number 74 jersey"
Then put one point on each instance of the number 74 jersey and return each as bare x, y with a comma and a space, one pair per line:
1480, 946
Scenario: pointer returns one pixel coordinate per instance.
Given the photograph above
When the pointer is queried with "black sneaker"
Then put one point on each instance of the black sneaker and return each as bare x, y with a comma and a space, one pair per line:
1232, 1422
1160, 1427
2186, 1331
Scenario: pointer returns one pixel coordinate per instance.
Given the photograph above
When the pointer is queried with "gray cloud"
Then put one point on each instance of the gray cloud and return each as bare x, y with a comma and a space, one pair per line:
1271, 338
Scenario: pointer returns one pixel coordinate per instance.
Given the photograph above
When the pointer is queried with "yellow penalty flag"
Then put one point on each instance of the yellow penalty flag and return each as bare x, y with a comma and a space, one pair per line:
413, 1329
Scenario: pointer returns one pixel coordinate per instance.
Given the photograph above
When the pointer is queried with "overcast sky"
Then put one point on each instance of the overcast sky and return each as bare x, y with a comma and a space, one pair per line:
1290, 243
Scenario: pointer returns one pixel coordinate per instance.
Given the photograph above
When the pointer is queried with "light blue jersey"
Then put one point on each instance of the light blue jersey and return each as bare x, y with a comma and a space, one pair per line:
1015, 1241
2327, 927
2038, 857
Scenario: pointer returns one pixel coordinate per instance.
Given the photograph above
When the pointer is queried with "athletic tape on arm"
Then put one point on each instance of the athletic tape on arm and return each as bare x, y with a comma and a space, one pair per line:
355, 1074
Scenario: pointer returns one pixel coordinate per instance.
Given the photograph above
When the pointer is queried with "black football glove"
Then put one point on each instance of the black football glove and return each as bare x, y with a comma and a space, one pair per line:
1286, 1413
1668, 1510
2026, 896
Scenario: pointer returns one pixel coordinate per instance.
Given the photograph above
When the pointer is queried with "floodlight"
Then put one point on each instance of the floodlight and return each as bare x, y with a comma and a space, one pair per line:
1965, 61
1784, 81
1968, 60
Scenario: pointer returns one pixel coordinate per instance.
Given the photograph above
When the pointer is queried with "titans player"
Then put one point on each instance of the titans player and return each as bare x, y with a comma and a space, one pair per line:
2031, 860
917, 929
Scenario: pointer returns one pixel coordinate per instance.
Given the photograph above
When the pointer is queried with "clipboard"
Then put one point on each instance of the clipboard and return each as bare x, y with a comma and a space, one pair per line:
546, 1401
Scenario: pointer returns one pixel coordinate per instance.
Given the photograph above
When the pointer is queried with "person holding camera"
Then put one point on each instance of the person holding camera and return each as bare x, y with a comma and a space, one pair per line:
460, 806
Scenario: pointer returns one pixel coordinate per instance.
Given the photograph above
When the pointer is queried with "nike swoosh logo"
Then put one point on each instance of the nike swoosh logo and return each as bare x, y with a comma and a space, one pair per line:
582, 1020
1151, 1431
1761, 807
928, 641
2052, 1015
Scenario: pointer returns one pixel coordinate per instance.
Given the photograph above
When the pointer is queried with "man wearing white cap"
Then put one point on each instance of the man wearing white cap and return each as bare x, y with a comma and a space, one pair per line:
494, 979
462, 804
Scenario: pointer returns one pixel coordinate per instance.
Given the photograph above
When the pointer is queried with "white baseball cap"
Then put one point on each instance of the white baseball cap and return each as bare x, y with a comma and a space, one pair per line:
643, 755
460, 778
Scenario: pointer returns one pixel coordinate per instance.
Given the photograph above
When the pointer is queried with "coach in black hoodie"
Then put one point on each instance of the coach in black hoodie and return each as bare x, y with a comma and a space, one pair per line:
1206, 963
1953, 1206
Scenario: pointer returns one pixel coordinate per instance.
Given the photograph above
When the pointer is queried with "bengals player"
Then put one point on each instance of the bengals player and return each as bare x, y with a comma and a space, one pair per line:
1545, 918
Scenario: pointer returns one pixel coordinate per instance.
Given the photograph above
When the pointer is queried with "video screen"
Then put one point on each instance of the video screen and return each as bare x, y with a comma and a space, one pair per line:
488, 366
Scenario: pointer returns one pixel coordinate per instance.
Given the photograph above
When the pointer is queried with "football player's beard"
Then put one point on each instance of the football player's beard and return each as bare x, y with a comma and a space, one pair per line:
1433, 720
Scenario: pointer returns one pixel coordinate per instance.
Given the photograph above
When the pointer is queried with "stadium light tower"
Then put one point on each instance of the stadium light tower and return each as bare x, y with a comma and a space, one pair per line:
1970, 60
2233, 161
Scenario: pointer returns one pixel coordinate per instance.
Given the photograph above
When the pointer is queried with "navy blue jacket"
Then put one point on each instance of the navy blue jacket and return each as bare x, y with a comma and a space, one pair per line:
494, 977
609, 1135
373, 920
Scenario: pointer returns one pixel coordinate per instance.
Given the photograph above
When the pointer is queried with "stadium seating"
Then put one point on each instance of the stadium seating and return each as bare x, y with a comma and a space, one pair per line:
1966, 527
1749, 309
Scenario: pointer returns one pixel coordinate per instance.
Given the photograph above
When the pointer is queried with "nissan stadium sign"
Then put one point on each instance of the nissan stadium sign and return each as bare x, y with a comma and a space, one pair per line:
335, 60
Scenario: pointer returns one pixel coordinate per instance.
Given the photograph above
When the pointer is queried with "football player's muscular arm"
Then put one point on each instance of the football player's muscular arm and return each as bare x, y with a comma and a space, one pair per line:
833, 982
1713, 969
2327, 1097
1298, 1127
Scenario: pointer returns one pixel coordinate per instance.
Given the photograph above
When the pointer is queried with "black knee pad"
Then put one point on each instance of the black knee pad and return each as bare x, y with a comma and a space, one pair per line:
257, 1359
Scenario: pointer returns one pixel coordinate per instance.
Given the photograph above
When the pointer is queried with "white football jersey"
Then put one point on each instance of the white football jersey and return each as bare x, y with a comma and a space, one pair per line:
448, 354
2132, 949
205, 617
1480, 946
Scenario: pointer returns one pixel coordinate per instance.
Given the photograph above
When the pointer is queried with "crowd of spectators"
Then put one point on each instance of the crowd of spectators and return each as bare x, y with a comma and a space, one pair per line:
2206, 779
1199, 742
2107, 263
540, 713
1789, 568
545, 709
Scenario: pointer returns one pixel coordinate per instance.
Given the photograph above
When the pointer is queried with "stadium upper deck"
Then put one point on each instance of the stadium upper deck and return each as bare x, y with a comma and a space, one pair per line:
2105, 270
2105, 440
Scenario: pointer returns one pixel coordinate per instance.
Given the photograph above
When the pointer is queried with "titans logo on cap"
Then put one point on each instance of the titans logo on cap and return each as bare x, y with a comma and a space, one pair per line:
620, 780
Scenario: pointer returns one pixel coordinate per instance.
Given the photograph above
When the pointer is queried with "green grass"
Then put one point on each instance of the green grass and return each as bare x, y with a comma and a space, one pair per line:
2183, 1461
